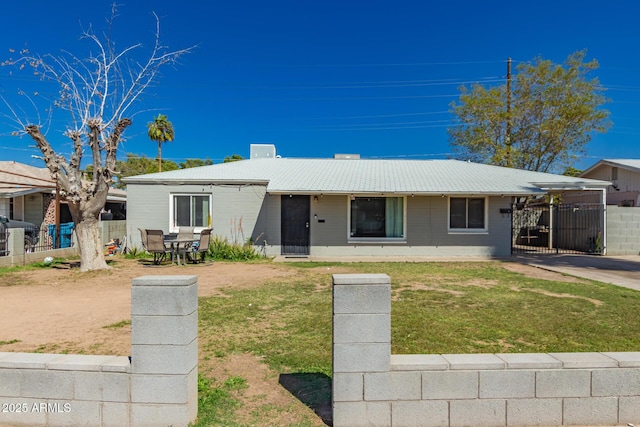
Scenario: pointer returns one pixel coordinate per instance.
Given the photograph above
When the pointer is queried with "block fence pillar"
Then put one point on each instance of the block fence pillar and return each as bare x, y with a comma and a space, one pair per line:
164, 350
15, 246
361, 346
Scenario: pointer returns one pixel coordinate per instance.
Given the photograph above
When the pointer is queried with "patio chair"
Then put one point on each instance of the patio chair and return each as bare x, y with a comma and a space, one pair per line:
156, 246
185, 233
202, 246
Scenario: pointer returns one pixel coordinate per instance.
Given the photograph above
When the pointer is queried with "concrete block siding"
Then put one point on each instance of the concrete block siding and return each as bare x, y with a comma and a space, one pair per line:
156, 387
379, 389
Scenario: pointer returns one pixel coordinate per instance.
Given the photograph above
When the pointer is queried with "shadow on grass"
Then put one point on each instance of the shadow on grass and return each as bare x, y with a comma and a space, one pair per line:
314, 390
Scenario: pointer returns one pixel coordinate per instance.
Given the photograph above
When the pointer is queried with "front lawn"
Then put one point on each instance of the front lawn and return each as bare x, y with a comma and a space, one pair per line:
455, 307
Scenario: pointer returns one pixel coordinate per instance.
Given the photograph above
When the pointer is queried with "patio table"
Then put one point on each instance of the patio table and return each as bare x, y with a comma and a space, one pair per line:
177, 244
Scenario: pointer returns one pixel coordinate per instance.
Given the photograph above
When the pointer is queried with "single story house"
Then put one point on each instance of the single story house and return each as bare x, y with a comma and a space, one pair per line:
344, 206
623, 200
27, 193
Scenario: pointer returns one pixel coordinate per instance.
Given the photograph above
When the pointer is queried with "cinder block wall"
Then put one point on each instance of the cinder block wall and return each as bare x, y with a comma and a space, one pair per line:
371, 387
110, 230
623, 231
158, 386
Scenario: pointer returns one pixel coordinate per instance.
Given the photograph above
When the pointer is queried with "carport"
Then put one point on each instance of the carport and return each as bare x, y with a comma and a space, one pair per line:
570, 219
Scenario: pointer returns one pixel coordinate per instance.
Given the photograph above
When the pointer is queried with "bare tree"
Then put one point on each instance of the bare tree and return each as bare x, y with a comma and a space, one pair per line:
99, 92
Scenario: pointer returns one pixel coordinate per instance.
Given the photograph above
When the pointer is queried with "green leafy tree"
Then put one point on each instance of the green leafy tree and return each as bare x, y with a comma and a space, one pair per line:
541, 122
194, 163
139, 165
571, 171
160, 130
232, 158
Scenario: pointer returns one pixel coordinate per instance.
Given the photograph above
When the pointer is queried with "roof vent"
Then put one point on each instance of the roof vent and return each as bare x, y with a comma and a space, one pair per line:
262, 151
347, 156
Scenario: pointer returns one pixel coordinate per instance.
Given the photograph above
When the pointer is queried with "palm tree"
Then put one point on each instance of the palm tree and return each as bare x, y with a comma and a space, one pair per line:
160, 130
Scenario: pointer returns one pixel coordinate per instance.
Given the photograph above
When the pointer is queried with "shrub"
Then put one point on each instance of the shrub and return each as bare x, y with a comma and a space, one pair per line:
222, 249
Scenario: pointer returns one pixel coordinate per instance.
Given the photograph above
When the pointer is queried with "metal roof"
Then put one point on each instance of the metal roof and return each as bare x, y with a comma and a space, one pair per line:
337, 176
19, 179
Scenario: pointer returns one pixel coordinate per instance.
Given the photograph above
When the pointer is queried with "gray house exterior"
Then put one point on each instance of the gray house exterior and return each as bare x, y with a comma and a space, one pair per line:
344, 206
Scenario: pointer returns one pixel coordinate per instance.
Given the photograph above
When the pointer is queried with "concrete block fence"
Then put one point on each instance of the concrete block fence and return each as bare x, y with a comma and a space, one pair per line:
156, 386
371, 387
623, 233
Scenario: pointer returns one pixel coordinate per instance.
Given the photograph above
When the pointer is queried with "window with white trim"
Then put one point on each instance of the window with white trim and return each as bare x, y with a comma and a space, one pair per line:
376, 218
468, 213
190, 210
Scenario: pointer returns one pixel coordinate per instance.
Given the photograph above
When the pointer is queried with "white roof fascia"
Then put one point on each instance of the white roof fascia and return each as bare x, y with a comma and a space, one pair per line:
21, 192
405, 193
230, 182
565, 186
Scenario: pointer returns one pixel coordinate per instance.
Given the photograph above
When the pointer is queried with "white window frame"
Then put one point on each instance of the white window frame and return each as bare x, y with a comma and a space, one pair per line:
402, 239
174, 228
483, 230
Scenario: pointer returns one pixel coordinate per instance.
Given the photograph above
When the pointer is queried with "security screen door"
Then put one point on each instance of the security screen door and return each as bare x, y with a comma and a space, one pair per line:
295, 225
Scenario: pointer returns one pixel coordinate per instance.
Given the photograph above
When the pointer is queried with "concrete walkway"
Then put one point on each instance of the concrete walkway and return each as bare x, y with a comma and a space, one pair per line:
617, 270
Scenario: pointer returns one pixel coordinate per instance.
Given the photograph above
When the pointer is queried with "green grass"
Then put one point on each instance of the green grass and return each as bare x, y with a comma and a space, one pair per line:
119, 324
218, 402
437, 308
9, 342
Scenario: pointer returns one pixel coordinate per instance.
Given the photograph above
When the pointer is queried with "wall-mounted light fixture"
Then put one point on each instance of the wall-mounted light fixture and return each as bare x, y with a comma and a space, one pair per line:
315, 199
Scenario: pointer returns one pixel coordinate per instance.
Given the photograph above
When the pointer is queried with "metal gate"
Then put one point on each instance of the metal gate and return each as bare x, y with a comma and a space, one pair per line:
557, 228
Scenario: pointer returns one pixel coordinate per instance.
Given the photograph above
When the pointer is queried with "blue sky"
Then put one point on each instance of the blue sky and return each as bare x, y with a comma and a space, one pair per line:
322, 77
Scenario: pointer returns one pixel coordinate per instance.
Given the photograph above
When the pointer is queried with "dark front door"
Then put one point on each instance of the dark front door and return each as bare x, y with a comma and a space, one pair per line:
295, 225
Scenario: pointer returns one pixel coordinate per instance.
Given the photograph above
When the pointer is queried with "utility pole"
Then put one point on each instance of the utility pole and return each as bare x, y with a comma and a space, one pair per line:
507, 138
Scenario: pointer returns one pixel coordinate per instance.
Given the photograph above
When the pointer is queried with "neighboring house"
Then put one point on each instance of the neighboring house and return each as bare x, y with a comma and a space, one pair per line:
27, 193
623, 200
624, 175
344, 206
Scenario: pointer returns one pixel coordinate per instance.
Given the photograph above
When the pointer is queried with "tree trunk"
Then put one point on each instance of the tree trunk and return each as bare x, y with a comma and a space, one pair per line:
90, 246
159, 156
85, 216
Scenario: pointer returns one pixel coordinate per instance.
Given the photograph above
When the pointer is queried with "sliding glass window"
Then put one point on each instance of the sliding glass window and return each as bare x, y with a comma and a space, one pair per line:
190, 211
377, 217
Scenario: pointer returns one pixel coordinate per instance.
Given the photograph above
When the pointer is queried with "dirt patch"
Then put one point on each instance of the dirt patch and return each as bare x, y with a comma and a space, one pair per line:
417, 286
263, 391
593, 301
62, 309
539, 273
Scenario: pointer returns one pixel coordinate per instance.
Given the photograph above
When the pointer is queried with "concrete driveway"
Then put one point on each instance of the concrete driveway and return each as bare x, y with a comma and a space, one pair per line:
618, 270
